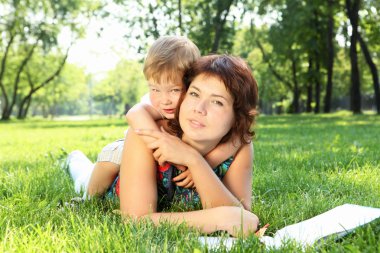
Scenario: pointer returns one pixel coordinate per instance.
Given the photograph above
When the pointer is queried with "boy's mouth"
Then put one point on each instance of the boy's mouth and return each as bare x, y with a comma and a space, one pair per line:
169, 111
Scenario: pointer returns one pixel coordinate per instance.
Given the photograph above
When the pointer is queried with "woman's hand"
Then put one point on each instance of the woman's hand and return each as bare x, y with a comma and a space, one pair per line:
168, 148
184, 179
238, 221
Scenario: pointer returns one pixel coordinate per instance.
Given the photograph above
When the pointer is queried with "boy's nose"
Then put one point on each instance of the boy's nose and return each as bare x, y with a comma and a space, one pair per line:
166, 99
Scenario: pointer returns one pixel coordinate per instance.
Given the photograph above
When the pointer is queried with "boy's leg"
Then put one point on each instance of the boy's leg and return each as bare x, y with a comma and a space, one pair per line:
106, 169
80, 169
102, 177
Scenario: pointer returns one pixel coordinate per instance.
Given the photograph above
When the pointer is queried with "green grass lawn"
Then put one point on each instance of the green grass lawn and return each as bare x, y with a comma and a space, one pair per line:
304, 165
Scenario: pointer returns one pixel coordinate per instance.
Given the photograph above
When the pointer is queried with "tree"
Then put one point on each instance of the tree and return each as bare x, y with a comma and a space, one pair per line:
330, 57
67, 94
25, 101
123, 86
352, 8
28, 27
210, 24
368, 36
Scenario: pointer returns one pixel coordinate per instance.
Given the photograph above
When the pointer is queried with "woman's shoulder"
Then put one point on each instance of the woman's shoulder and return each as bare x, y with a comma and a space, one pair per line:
222, 168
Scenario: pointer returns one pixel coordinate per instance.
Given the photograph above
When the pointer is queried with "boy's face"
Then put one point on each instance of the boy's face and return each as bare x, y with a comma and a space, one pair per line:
164, 96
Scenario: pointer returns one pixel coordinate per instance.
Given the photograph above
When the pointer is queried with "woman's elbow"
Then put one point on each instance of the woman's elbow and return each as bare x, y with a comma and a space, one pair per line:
137, 212
136, 215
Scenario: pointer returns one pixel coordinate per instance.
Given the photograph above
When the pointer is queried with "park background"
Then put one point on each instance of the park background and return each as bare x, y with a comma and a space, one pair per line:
317, 136
308, 56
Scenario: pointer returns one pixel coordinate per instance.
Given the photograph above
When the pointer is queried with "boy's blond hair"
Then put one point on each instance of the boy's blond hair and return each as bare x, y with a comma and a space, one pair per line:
168, 59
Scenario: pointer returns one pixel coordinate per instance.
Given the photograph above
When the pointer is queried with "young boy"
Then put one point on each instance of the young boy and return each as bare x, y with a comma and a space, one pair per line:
164, 67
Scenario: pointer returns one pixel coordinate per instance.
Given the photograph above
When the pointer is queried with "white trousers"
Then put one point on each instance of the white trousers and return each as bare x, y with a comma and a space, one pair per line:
80, 168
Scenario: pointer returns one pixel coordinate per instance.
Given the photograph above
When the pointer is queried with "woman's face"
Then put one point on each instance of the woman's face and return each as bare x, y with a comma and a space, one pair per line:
206, 113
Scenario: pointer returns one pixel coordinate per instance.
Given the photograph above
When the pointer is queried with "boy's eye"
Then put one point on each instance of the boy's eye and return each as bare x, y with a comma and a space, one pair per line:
155, 90
176, 90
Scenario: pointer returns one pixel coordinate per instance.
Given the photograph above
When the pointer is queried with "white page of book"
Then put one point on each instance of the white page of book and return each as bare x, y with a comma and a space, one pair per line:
337, 221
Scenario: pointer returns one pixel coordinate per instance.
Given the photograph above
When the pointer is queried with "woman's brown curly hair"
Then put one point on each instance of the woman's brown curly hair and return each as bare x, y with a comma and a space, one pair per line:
239, 82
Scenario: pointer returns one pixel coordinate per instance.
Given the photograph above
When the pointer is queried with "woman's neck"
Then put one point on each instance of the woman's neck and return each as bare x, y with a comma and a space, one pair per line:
202, 147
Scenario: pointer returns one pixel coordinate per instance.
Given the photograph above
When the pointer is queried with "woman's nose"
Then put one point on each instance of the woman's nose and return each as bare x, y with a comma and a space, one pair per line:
200, 107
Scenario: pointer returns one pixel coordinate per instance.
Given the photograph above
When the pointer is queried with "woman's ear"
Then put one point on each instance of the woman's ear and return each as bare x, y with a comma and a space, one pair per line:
253, 112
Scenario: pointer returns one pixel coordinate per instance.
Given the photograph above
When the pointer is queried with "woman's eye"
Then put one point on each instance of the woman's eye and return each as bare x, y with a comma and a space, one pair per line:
217, 102
193, 94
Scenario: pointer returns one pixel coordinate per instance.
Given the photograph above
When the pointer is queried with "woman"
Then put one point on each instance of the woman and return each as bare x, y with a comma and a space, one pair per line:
219, 105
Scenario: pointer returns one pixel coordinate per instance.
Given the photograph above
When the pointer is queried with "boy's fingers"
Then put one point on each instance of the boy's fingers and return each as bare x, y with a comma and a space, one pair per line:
189, 185
181, 167
179, 177
180, 183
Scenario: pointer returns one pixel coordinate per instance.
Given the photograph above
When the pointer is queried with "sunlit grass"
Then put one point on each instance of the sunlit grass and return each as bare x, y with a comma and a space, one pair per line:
304, 165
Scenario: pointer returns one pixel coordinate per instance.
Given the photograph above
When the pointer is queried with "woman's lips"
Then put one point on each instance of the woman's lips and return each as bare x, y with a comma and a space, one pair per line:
196, 124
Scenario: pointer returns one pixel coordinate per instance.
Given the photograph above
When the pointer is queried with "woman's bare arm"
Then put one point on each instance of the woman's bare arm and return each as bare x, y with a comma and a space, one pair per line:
234, 220
138, 196
212, 191
238, 178
138, 187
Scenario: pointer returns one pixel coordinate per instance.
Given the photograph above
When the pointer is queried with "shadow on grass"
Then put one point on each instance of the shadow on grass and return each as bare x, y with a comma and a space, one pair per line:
67, 124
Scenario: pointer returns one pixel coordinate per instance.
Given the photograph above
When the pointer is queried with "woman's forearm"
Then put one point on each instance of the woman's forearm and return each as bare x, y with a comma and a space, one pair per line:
212, 191
138, 188
234, 220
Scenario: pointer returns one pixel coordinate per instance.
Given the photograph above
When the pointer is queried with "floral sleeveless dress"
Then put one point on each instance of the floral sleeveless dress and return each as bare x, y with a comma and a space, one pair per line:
168, 191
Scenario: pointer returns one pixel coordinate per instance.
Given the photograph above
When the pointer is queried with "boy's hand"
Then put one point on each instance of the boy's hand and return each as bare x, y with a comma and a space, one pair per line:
184, 179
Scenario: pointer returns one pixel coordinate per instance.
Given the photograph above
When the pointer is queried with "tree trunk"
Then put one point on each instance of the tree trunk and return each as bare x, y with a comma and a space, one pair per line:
296, 93
23, 109
220, 22
317, 86
316, 51
180, 16
373, 68
5, 115
155, 32
4, 106
330, 57
353, 15
20, 69
310, 86
27, 108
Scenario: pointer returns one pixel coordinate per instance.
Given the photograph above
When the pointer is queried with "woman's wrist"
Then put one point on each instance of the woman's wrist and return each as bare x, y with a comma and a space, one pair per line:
194, 158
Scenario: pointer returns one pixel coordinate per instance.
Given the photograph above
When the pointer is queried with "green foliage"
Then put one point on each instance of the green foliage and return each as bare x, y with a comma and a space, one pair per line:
124, 85
210, 24
296, 37
299, 172
270, 89
67, 94
29, 41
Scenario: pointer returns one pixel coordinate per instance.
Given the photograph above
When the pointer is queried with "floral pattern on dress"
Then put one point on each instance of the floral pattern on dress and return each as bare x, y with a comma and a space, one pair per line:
166, 187
184, 195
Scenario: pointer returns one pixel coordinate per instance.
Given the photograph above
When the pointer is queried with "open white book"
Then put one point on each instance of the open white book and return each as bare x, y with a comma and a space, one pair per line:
337, 221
